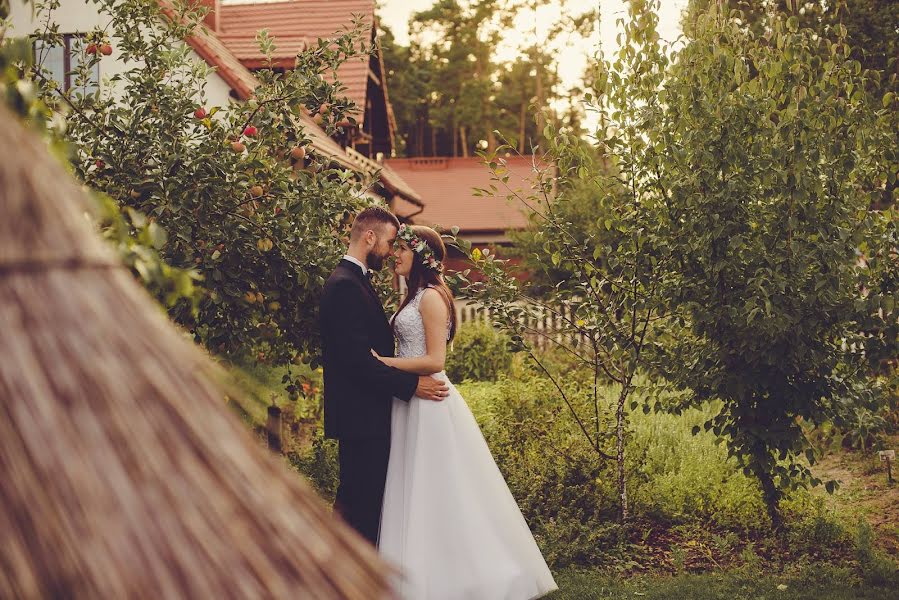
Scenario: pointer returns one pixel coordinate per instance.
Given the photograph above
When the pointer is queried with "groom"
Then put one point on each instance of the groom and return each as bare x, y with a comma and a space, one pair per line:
359, 389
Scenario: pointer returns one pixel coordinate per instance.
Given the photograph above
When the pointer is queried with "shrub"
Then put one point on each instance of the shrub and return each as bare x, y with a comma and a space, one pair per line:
813, 528
479, 353
863, 428
319, 464
876, 567
570, 499
679, 477
565, 494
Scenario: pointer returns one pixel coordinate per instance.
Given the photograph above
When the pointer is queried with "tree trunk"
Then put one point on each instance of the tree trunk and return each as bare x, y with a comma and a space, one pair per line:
521, 121
463, 139
770, 493
619, 451
541, 118
420, 137
486, 112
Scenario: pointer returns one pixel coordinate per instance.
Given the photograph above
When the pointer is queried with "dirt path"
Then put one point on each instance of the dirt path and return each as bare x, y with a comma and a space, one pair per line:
864, 489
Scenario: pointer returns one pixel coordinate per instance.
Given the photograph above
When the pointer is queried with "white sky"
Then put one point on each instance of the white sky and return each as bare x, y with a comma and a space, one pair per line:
572, 54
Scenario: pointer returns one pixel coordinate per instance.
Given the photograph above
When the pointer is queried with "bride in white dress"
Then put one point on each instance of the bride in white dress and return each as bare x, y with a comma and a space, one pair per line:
448, 521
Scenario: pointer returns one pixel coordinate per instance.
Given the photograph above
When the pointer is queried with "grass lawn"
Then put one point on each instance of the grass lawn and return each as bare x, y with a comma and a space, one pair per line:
260, 386
828, 584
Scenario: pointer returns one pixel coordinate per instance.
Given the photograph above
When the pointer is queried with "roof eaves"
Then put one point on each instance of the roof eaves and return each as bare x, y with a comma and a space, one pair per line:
396, 184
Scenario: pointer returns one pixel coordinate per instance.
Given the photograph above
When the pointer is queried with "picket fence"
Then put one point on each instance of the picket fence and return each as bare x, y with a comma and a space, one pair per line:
544, 326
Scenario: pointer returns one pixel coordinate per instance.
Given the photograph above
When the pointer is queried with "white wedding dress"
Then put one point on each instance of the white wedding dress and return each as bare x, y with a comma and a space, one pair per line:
449, 521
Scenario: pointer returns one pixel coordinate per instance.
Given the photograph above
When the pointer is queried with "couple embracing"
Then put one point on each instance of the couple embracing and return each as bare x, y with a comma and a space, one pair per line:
416, 476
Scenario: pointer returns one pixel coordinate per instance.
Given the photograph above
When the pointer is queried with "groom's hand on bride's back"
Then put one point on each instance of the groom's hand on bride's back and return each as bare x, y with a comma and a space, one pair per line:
431, 389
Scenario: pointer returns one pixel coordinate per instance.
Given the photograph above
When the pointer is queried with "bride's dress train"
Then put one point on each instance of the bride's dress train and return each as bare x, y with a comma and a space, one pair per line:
449, 521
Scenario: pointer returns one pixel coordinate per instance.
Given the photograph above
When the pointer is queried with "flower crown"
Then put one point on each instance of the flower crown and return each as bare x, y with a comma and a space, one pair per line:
420, 247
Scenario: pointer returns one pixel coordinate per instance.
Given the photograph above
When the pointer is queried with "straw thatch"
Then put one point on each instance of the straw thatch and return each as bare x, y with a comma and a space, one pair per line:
122, 472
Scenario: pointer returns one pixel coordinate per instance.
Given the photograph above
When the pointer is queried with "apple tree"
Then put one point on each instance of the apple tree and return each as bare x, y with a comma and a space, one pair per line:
234, 198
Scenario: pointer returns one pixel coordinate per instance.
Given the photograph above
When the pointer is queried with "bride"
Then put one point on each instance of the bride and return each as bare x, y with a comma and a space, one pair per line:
448, 520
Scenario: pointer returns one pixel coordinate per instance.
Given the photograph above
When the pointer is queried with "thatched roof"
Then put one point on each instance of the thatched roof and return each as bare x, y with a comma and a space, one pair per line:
122, 472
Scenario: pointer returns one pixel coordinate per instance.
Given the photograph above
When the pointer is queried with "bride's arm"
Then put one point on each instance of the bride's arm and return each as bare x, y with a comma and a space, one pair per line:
434, 315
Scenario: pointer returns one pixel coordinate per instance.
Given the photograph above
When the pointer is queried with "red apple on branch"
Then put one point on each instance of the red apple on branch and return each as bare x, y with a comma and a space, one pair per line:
298, 153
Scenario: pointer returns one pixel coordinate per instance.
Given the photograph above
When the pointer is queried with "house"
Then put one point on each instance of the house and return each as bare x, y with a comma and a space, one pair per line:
226, 41
294, 25
450, 184
430, 191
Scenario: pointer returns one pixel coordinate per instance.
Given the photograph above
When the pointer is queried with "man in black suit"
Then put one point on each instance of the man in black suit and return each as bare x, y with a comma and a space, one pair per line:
359, 389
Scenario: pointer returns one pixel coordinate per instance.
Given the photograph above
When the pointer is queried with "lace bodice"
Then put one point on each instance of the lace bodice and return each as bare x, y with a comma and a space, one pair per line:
410, 330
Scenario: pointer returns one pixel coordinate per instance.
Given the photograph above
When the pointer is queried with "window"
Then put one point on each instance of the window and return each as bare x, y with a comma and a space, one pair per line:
61, 63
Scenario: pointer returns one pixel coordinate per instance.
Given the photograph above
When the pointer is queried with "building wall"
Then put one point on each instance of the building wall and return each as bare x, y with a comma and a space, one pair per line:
82, 16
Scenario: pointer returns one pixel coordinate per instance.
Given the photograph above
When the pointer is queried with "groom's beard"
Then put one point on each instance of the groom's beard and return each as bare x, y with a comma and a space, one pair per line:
374, 261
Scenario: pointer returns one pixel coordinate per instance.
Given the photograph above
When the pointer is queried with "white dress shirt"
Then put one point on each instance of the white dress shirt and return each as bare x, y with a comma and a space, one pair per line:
356, 261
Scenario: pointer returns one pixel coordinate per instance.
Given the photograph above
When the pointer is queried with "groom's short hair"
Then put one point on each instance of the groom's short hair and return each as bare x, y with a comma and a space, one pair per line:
374, 218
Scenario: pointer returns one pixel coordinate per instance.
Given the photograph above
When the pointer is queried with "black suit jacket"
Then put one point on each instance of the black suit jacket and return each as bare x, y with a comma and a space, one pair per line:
359, 389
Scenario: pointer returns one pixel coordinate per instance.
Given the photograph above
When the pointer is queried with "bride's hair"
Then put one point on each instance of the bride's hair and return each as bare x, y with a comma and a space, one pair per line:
421, 276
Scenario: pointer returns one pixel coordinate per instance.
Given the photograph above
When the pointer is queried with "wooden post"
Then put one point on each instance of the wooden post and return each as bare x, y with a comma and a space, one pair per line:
273, 428
888, 456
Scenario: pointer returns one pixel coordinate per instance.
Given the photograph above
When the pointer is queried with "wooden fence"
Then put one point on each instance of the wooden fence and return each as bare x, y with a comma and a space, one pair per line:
544, 326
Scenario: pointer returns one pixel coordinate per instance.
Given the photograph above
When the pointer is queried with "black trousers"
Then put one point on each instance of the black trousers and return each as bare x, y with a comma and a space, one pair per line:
363, 473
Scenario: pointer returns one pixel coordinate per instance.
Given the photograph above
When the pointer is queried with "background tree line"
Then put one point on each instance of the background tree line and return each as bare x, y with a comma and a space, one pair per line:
450, 91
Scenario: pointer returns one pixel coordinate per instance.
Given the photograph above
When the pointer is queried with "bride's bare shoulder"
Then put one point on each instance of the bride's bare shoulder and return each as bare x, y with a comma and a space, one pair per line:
433, 304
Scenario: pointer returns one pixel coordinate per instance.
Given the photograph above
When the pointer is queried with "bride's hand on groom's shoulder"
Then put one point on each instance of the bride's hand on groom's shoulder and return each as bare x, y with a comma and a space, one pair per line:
383, 359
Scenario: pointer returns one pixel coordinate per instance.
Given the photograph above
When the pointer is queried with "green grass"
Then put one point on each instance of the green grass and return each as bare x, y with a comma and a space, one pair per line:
821, 583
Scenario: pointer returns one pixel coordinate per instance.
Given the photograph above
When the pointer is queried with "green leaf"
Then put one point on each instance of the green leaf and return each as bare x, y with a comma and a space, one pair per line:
138, 219
158, 235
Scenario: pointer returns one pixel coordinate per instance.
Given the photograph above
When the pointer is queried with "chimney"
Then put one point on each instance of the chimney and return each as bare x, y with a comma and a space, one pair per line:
212, 17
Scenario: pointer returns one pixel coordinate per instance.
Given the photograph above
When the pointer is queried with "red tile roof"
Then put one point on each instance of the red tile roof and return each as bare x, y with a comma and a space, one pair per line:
396, 184
294, 24
447, 185
211, 49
